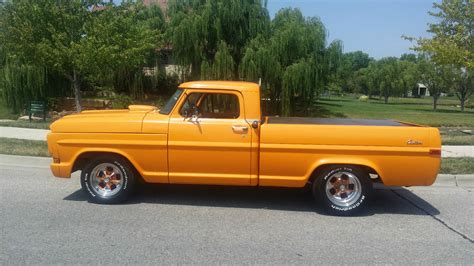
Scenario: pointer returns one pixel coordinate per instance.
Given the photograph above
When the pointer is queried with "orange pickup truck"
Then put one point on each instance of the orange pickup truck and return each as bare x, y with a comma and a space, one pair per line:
213, 132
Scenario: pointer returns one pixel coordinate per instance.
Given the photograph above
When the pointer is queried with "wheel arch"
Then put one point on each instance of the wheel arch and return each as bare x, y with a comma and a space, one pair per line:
83, 157
366, 165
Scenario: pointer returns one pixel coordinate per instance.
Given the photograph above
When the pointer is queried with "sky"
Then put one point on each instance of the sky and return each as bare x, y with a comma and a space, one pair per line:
372, 26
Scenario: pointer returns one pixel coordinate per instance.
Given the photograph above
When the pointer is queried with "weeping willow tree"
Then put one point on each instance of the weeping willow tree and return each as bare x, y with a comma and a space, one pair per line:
295, 64
131, 82
76, 42
222, 67
260, 64
297, 85
206, 34
22, 83
143, 76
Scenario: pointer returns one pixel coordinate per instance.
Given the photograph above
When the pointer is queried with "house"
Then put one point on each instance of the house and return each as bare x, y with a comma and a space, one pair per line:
419, 91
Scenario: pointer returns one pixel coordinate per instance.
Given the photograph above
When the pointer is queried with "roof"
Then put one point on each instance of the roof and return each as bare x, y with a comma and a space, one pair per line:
221, 85
99, 8
421, 85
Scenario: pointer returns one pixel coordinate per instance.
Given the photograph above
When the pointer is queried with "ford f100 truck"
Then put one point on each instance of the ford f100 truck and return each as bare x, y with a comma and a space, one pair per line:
213, 132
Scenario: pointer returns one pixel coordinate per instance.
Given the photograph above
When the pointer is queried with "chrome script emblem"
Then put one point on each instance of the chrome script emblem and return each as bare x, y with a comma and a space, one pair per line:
414, 142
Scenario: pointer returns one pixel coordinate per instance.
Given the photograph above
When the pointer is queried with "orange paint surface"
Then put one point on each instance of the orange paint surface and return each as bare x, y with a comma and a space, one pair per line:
170, 148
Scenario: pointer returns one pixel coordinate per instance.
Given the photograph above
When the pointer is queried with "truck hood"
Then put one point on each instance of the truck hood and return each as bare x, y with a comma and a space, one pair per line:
104, 121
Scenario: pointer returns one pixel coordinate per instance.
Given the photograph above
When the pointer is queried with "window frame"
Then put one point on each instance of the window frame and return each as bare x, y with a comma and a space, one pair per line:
204, 93
176, 102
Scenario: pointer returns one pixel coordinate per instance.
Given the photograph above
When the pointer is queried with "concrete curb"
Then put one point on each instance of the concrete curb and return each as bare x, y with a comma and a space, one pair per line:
442, 181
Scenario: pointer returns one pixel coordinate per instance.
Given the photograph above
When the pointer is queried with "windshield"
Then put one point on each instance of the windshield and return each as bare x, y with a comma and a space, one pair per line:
171, 102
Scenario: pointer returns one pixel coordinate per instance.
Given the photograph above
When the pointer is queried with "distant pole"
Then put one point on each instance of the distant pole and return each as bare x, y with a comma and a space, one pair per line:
259, 81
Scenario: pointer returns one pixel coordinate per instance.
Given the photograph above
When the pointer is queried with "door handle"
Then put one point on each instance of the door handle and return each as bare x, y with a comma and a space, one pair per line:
240, 129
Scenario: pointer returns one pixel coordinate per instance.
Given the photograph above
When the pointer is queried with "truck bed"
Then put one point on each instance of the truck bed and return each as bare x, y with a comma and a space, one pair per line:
398, 152
333, 121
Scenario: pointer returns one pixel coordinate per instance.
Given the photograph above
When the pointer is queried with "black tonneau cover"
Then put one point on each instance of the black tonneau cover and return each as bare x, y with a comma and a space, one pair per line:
333, 121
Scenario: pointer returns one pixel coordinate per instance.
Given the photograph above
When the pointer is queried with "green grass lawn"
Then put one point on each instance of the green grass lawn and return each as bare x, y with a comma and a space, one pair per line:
4, 112
463, 165
458, 140
412, 110
24, 147
456, 136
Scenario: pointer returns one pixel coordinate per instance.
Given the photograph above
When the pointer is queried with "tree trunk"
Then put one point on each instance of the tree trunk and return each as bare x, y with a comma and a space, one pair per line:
462, 97
435, 102
463, 93
385, 98
195, 71
77, 91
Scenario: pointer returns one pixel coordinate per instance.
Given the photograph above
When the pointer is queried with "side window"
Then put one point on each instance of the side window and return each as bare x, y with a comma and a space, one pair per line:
220, 105
212, 105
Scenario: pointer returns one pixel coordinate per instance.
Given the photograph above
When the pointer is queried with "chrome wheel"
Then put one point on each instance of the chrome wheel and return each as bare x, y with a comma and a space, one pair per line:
106, 179
343, 188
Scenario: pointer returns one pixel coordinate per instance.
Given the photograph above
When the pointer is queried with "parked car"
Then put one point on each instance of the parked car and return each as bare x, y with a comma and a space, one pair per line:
213, 132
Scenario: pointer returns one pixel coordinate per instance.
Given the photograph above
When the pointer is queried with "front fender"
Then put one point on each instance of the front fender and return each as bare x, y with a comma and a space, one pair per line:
146, 152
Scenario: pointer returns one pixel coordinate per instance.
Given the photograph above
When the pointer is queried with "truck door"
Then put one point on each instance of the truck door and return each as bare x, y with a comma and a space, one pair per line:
209, 140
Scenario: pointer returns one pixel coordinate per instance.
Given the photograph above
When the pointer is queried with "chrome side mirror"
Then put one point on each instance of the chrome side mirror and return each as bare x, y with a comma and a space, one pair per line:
194, 119
195, 114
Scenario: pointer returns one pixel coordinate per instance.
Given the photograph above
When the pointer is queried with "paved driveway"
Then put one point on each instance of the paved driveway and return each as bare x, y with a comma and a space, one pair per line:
45, 220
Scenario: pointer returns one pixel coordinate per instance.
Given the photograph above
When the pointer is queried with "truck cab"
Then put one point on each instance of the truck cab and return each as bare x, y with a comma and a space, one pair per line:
213, 133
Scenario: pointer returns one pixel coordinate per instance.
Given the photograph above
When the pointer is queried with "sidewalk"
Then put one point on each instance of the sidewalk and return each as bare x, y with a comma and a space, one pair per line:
23, 133
457, 151
40, 134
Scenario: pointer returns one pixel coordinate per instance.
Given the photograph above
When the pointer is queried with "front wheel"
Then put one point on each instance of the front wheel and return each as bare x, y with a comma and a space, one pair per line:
343, 190
108, 179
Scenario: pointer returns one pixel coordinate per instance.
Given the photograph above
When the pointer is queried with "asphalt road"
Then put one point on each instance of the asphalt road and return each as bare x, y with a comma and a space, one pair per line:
45, 220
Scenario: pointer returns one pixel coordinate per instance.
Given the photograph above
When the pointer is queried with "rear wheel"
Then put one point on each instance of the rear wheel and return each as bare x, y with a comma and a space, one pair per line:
343, 190
108, 179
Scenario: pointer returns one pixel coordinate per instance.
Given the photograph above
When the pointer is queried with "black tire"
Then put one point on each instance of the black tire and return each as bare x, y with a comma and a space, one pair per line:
126, 176
349, 189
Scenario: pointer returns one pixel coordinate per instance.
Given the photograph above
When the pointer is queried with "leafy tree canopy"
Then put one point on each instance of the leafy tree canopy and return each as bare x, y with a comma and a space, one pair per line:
72, 39
453, 34
452, 43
